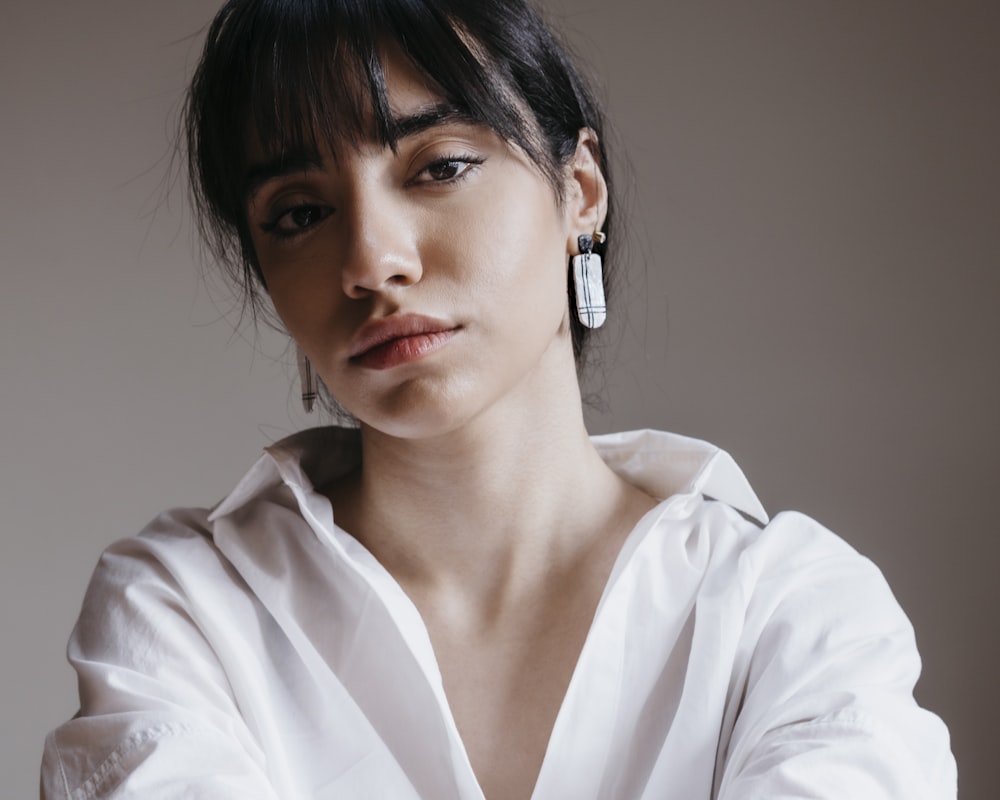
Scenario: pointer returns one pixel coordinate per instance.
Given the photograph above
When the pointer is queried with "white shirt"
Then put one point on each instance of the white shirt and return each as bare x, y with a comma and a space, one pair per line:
259, 651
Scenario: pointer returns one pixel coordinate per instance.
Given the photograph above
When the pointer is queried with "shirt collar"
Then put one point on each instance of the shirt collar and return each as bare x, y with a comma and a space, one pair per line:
665, 464
661, 464
310, 458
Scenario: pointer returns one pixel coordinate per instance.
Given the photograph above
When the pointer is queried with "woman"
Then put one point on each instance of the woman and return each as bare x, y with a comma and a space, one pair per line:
464, 596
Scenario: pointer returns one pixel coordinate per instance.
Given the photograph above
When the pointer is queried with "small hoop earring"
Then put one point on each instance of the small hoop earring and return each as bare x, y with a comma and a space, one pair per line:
307, 381
588, 282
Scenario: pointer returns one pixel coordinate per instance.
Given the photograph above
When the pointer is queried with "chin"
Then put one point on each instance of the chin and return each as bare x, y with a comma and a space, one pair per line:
442, 399
422, 409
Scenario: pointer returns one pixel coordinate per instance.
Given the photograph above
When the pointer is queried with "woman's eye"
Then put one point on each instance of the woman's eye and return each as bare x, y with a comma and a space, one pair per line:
296, 220
304, 216
448, 169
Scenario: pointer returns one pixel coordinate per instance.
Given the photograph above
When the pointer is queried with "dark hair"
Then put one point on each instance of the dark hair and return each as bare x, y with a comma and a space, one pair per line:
289, 70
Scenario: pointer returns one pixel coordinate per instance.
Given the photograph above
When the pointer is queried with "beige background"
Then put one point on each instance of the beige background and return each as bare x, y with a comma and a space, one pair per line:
814, 281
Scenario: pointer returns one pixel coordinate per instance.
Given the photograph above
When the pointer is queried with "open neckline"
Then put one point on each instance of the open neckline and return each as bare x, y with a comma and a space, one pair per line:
410, 625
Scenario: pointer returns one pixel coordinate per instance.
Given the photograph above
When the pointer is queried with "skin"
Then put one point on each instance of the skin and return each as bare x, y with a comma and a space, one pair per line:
480, 490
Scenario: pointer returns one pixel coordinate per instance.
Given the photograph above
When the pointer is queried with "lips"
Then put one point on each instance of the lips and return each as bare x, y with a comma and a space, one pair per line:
395, 340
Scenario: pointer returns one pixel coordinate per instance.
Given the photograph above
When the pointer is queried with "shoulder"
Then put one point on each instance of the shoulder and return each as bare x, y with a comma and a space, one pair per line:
801, 592
798, 663
794, 572
779, 553
156, 688
751, 553
795, 554
142, 587
174, 533
823, 668
173, 550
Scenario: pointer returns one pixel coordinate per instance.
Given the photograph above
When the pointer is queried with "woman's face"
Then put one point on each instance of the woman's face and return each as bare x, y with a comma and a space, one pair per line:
425, 284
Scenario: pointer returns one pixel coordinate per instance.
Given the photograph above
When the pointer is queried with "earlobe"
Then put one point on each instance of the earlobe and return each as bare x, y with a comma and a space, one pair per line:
587, 195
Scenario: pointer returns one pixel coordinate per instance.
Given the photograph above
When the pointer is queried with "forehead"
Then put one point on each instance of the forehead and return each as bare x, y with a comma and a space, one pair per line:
351, 107
406, 88
415, 104
331, 78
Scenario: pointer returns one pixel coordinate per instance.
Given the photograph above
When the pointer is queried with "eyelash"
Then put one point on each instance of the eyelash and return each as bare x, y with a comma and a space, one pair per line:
470, 161
272, 226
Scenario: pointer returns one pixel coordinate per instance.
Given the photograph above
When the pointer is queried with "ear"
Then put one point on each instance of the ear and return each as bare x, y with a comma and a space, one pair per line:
586, 198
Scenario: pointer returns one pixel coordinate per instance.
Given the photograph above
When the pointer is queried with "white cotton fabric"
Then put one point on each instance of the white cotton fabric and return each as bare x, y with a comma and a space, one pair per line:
259, 651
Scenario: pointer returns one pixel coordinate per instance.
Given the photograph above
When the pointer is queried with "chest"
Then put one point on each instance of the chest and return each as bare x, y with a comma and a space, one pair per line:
505, 691
562, 703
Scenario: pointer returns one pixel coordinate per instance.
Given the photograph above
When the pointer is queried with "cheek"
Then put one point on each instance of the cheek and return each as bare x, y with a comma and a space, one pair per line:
535, 268
301, 290
292, 306
511, 252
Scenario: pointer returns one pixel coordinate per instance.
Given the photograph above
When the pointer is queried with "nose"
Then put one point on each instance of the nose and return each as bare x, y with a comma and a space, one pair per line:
381, 247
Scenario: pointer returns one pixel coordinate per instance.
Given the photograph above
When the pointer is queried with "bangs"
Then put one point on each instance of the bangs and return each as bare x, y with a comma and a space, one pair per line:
290, 76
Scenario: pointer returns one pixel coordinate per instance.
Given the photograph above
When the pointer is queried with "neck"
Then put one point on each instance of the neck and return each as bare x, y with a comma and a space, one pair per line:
494, 505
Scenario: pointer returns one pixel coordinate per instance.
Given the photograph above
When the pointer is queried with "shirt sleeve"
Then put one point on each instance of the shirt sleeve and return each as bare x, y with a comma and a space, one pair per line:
824, 706
157, 716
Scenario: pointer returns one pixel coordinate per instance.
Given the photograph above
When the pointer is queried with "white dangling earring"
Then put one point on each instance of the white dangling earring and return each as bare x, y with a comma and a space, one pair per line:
588, 283
307, 380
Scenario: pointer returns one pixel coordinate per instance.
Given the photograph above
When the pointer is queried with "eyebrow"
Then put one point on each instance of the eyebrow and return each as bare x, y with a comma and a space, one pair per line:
428, 117
303, 160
